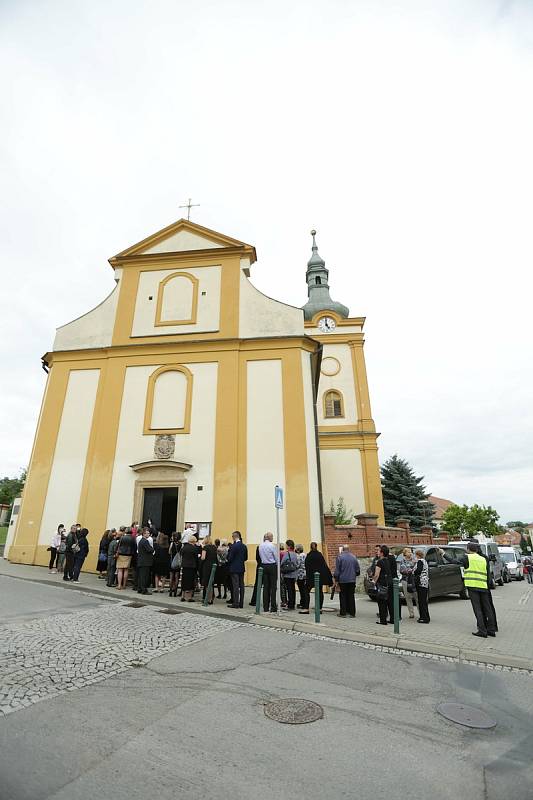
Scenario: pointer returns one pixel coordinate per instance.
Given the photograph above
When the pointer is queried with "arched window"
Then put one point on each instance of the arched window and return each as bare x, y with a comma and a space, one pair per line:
318, 281
333, 405
177, 300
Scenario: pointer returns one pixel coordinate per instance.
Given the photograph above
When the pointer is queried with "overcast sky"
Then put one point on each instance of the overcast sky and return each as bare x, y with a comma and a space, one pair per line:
402, 131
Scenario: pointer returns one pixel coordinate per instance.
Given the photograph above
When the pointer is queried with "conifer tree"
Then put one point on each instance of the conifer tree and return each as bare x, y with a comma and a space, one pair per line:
402, 493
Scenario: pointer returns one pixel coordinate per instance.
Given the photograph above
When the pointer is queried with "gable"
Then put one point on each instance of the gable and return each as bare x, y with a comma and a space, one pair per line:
183, 236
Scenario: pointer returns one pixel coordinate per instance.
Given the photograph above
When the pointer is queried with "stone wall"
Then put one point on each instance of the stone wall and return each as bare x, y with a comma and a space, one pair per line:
363, 537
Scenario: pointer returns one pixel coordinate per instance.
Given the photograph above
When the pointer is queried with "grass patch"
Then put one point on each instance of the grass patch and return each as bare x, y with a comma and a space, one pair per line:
3, 535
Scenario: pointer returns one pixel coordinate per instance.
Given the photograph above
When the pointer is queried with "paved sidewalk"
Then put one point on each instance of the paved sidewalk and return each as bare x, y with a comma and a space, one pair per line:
449, 634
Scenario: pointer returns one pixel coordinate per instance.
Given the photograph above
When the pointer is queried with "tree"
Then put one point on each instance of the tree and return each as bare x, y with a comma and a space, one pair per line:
11, 488
517, 525
465, 522
404, 495
454, 521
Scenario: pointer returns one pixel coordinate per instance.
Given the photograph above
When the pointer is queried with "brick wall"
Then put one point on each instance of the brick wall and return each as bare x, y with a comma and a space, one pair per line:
363, 537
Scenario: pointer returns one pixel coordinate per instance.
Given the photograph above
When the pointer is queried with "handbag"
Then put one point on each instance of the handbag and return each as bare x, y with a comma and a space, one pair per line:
102, 557
176, 561
288, 565
378, 592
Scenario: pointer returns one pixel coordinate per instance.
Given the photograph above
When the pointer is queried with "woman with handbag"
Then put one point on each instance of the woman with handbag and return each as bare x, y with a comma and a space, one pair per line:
421, 578
382, 578
101, 564
407, 563
175, 564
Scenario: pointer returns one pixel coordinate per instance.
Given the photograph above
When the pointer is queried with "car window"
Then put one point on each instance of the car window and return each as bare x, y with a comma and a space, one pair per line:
432, 557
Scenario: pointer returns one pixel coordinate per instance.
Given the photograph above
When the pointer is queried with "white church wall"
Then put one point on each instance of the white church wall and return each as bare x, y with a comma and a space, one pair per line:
314, 504
342, 476
208, 311
66, 476
94, 329
343, 382
265, 455
196, 448
260, 315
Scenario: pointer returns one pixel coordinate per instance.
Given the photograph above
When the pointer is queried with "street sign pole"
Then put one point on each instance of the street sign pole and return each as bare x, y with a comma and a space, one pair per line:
278, 502
278, 584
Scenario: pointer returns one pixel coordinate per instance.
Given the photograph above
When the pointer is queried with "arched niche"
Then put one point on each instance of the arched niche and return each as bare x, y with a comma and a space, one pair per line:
177, 300
169, 401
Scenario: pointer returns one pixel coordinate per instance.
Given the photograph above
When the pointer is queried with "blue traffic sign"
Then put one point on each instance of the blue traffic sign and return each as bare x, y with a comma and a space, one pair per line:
278, 497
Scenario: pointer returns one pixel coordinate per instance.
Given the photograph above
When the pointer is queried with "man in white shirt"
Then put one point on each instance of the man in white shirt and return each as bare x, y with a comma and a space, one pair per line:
186, 535
268, 553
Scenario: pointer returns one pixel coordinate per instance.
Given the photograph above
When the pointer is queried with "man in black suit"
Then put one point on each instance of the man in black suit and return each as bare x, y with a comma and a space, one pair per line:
237, 557
145, 560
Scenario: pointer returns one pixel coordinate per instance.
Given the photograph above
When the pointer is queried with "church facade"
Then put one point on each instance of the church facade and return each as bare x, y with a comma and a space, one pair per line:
187, 395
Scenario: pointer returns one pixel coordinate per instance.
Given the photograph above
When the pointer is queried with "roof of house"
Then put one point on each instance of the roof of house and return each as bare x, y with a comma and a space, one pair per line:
440, 505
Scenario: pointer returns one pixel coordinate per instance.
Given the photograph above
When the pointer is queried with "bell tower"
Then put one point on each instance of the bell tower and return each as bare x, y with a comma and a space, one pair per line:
346, 431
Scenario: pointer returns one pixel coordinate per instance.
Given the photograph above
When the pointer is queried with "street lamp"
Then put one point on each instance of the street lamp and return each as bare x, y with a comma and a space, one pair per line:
424, 504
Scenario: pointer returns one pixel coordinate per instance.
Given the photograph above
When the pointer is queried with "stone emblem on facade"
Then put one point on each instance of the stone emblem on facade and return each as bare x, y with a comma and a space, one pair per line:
164, 446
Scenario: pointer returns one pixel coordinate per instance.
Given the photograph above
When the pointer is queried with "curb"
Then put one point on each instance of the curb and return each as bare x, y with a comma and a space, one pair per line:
396, 642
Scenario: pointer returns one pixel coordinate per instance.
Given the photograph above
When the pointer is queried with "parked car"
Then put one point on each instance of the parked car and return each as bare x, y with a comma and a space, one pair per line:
513, 562
489, 549
443, 578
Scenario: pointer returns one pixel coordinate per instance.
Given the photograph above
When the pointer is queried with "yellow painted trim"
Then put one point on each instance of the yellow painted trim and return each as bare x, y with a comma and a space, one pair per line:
226, 444
341, 321
338, 338
295, 443
184, 346
330, 374
362, 394
176, 227
24, 547
194, 303
324, 400
148, 430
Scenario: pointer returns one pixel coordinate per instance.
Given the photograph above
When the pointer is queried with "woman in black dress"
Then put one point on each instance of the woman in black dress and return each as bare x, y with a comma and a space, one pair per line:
101, 564
315, 562
189, 565
161, 562
174, 549
382, 577
208, 558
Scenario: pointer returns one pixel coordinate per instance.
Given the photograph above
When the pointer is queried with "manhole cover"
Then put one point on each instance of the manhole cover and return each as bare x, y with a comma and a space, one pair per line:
134, 605
294, 711
169, 611
466, 715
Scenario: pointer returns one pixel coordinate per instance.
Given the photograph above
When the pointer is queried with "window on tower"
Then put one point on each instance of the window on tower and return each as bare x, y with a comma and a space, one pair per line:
333, 405
318, 281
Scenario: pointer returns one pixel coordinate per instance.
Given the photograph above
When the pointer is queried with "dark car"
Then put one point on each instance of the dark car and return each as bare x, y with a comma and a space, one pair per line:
444, 578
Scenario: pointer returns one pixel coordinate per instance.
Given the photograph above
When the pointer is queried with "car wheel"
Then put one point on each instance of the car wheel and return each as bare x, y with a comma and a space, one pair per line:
464, 594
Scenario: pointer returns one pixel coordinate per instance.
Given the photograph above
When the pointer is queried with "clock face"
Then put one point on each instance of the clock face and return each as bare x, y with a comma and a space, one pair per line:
327, 324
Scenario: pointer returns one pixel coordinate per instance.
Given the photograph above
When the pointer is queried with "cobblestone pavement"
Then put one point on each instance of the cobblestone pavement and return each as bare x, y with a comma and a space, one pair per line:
64, 652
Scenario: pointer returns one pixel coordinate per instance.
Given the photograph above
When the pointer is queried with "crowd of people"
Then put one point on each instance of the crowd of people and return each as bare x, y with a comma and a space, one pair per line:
182, 565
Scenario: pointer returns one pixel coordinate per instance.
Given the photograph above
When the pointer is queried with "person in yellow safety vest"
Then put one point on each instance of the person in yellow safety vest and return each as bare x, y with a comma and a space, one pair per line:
476, 578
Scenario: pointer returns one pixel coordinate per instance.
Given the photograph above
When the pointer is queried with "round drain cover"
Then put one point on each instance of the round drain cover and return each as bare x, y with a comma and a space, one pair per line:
294, 711
466, 715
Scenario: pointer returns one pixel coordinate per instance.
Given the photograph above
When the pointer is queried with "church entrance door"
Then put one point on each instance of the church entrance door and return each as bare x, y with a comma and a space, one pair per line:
161, 506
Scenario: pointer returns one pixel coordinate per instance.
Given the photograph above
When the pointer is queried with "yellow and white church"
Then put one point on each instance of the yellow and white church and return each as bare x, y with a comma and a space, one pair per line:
187, 395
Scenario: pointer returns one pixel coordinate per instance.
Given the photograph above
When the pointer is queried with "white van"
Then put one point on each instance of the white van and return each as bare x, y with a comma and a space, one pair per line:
513, 562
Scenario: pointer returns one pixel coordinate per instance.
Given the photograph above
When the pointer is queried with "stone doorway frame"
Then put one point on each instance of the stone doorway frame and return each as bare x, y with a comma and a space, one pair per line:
160, 475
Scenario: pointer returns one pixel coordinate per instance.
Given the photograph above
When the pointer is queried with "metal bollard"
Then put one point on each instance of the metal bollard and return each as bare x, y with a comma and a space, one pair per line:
259, 590
396, 603
317, 597
210, 583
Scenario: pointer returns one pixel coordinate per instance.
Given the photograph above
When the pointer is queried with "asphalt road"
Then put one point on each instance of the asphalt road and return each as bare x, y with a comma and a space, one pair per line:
191, 723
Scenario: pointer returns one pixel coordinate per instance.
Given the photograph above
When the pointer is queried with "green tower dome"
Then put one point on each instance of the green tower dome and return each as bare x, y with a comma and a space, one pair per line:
318, 287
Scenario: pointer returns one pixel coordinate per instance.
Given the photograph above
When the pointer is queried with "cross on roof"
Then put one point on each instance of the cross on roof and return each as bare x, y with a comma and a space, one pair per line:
188, 206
